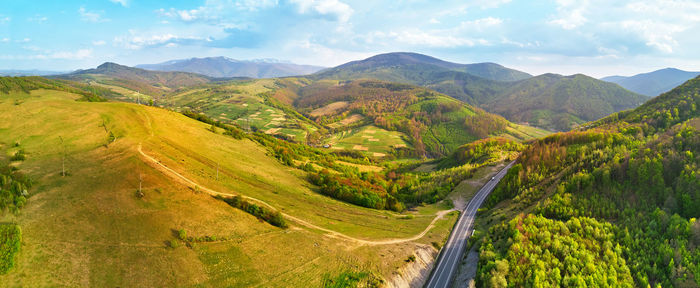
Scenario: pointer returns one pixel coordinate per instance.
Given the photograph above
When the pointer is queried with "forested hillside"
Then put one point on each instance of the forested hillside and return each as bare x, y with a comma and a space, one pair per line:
615, 205
562, 102
436, 124
547, 101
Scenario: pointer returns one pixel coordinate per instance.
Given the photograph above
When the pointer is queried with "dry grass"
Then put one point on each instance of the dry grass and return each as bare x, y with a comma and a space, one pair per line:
90, 229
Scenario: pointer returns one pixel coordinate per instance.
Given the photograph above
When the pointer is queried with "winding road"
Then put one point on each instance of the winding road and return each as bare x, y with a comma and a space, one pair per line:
452, 252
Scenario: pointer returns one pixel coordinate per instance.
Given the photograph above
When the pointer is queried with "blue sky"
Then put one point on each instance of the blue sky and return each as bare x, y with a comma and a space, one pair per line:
595, 37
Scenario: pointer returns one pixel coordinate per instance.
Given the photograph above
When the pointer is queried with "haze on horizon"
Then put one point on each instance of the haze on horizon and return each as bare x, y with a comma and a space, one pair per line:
594, 37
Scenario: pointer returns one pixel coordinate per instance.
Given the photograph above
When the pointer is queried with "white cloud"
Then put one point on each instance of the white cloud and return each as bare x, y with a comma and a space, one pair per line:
91, 16
5, 19
99, 42
216, 9
140, 40
480, 24
570, 14
124, 3
434, 21
5, 40
656, 35
333, 8
23, 40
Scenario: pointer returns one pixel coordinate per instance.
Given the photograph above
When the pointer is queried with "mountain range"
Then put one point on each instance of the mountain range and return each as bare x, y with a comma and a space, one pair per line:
653, 83
549, 101
224, 67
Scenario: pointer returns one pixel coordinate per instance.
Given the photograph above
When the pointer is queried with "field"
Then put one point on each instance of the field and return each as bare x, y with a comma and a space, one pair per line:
240, 102
91, 228
370, 139
519, 132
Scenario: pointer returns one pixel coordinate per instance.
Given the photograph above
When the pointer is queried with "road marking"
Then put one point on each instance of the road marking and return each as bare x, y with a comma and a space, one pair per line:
457, 239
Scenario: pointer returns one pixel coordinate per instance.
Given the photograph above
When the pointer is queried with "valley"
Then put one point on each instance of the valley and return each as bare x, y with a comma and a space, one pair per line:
118, 176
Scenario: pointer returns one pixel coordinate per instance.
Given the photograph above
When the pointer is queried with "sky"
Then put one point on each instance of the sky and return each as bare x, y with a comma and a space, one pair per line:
595, 37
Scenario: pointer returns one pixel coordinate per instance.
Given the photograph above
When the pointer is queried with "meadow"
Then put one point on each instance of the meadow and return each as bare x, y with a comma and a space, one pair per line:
94, 227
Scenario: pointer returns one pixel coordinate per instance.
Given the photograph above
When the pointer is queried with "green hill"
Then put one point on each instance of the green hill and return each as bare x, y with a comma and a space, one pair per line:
549, 101
613, 205
434, 124
413, 66
128, 80
135, 207
561, 102
653, 83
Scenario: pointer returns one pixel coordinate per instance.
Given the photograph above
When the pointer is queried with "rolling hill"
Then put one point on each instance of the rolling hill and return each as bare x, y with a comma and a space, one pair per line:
434, 124
413, 66
135, 207
561, 102
224, 67
653, 83
622, 193
548, 101
152, 83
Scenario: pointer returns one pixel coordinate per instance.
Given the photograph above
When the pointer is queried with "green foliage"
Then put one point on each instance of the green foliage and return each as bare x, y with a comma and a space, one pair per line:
486, 151
640, 172
14, 188
275, 218
351, 278
533, 251
559, 102
19, 156
10, 239
435, 124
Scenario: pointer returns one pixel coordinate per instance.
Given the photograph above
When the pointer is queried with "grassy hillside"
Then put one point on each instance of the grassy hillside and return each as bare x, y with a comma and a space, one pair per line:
255, 105
97, 227
562, 102
614, 205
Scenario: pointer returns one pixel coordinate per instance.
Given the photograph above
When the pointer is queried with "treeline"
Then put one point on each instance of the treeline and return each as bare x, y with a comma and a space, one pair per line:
29, 83
365, 191
275, 218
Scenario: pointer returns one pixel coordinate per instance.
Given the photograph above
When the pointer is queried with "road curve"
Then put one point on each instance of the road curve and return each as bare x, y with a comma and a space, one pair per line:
452, 252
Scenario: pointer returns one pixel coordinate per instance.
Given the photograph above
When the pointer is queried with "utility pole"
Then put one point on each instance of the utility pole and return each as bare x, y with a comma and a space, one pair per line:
138, 97
63, 158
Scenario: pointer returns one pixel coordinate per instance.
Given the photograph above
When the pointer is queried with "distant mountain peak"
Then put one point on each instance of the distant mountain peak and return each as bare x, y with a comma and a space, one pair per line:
655, 82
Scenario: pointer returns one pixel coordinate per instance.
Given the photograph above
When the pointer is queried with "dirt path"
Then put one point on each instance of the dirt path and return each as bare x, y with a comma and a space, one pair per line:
187, 182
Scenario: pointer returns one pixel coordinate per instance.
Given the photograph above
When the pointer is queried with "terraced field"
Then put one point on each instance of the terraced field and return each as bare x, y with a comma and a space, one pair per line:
370, 139
242, 102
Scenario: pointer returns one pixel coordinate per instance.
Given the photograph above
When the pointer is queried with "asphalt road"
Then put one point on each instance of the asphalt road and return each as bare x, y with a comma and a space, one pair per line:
452, 252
